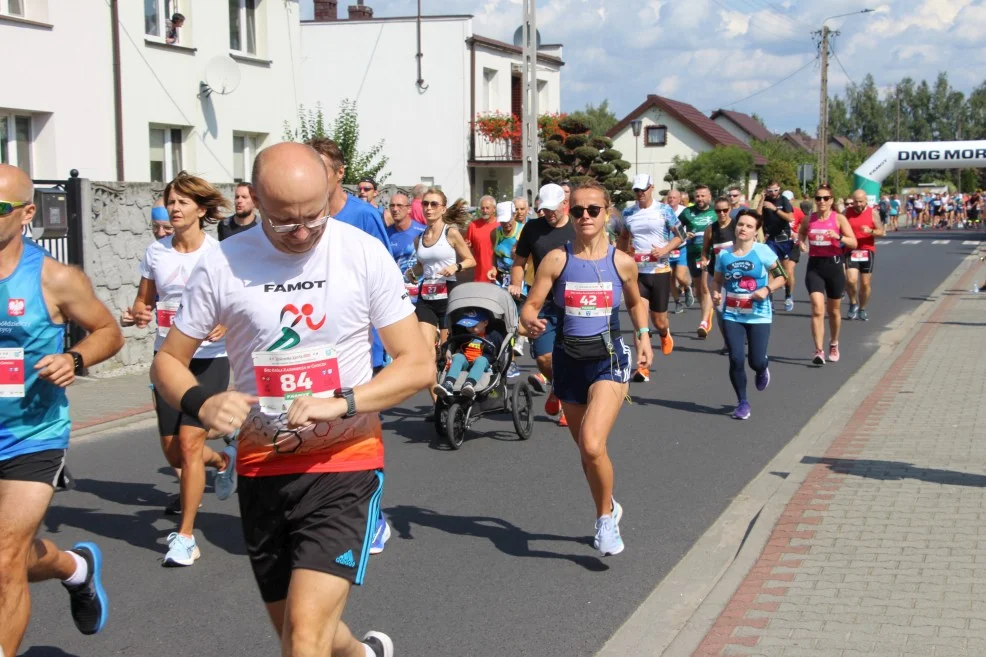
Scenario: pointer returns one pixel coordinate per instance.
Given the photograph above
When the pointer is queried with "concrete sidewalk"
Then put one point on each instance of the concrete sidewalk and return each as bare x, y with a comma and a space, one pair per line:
881, 550
98, 404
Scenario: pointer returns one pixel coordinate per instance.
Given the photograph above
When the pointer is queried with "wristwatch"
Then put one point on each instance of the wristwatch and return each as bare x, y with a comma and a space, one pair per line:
77, 359
347, 394
458, 266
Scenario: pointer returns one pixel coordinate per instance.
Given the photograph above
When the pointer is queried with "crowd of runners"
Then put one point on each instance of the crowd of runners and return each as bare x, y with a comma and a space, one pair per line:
315, 310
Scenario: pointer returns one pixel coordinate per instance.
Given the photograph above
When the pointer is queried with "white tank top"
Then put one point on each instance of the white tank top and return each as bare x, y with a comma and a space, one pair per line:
436, 257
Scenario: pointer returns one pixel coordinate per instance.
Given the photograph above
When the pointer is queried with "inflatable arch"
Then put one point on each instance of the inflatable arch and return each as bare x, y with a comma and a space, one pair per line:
916, 155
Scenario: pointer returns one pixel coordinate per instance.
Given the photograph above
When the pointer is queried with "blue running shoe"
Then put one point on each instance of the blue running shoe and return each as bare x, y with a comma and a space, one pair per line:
182, 550
742, 411
513, 371
763, 379
381, 534
789, 304
90, 606
225, 483
607, 539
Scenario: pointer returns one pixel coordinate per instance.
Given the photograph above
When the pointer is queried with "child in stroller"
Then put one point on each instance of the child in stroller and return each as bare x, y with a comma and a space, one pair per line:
477, 350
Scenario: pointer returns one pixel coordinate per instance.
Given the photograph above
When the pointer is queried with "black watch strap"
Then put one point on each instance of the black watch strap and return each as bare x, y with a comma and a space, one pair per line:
80, 366
347, 394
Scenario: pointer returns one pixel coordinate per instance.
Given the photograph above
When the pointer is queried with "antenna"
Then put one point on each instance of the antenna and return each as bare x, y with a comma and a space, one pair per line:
222, 76
519, 38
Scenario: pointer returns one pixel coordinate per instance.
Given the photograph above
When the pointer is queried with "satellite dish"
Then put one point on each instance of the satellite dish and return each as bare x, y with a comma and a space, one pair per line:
519, 38
222, 76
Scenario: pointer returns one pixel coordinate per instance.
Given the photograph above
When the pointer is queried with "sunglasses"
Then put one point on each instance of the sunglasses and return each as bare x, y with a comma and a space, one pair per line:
431, 204
722, 210
7, 207
365, 188
734, 196
823, 198
290, 228
594, 210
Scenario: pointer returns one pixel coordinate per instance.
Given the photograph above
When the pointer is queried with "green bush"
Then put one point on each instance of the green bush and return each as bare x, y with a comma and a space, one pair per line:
602, 143
602, 169
576, 141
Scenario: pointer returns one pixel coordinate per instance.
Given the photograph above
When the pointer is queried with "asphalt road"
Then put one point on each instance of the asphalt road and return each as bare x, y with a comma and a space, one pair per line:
491, 553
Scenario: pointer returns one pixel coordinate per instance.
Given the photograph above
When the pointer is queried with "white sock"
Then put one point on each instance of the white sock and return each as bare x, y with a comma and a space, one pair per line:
81, 570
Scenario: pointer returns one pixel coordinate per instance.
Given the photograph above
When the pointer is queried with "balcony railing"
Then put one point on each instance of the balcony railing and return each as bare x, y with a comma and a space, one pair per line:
494, 150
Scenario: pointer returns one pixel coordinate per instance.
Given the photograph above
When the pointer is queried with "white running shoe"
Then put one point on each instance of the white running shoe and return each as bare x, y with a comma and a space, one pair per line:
182, 550
607, 539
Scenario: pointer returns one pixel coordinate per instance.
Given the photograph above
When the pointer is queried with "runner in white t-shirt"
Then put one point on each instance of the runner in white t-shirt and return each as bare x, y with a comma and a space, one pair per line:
191, 203
299, 298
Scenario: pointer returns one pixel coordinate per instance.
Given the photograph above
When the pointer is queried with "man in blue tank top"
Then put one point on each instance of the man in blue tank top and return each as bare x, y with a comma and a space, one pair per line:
39, 296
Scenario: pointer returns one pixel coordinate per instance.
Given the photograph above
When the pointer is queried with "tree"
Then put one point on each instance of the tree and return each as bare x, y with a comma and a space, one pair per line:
600, 119
718, 168
344, 131
574, 154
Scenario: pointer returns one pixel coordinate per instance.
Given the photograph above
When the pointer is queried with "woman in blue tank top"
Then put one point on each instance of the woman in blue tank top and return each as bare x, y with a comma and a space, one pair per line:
591, 364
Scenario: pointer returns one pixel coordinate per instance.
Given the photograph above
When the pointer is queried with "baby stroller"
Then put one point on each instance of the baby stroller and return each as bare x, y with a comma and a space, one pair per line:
455, 413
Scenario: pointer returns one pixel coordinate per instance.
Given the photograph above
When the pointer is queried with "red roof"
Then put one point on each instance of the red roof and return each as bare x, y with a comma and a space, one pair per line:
746, 123
699, 123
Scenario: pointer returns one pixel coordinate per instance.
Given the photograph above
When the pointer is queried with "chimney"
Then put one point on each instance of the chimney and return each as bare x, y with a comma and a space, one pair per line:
326, 10
359, 11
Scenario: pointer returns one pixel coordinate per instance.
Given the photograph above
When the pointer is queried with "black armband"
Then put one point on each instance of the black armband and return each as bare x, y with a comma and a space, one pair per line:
778, 270
192, 400
680, 232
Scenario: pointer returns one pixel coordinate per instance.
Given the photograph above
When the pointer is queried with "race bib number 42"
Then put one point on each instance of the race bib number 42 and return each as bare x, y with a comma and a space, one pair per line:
12, 372
283, 376
588, 299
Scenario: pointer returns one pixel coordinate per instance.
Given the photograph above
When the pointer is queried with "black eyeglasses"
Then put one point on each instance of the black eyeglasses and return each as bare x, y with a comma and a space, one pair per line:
431, 204
399, 205
7, 207
579, 210
823, 198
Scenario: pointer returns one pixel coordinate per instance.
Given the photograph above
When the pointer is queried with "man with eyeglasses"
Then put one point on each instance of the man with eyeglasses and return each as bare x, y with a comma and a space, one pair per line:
403, 232
650, 232
696, 219
735, 196
40, 296
778, 216
299, 298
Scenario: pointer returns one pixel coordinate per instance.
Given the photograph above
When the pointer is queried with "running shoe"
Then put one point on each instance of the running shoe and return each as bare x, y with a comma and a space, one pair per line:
789, 304
174, 506
468, 389
703, 329
607, 539
225, 483
90, 607
513, 371
381, 534
862, 315
562, 420
617, 511
539, 382
552, 406
742, 411
763, 379
667, 344
678, 309
852, 311
182, 550
689, 297
819, 358
642, 375
834, 353
724, 351
519, 346
379, 643
442, 390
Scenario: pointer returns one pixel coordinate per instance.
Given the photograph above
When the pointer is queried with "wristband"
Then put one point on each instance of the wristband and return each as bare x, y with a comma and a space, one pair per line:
458, 266
192, 400
641, 331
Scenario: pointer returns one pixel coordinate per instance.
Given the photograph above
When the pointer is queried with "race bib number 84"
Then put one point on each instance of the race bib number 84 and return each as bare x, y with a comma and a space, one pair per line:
283, 376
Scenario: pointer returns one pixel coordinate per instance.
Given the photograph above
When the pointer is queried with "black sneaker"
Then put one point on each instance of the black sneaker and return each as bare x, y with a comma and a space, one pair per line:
379, 643
90, 607
468, 389
174, 506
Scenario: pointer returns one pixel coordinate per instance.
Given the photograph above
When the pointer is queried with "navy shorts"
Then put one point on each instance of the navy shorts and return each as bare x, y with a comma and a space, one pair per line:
785, 249
571, 378
545, 343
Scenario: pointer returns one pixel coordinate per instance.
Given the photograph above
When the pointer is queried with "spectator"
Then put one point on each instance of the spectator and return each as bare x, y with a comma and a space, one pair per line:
177, 21
479, 237
418, 192
244, 214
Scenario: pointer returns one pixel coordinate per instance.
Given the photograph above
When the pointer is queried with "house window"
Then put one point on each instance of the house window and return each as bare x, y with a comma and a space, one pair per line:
12, 7
245, 148
243, 26
656, 135
16, 140
491, 96
542, 96
165, 153
157, 14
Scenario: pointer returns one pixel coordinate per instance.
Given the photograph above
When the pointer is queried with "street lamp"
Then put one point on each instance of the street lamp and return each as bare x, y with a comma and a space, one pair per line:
636, 125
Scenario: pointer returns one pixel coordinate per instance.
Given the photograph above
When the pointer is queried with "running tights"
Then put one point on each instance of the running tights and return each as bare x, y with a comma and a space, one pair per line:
738, 336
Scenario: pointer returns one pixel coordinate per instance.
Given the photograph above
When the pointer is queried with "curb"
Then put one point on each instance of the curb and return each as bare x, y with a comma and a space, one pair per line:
114, 421
680, 611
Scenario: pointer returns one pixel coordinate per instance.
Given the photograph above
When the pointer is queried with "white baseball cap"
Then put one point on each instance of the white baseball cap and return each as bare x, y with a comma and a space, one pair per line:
551, 196
788, 194
504, 211
642, 181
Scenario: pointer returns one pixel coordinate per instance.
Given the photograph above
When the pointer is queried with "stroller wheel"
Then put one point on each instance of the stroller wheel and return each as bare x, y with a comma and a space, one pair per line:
522, 410
441, 413
455, 425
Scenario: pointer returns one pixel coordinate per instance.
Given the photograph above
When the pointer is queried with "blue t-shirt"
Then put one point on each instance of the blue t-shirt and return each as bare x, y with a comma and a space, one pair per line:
894, 207
402, 244
743, 275
364, 216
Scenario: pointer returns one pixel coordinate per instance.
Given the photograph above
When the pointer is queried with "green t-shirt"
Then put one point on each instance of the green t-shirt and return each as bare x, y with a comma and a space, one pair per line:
696, 222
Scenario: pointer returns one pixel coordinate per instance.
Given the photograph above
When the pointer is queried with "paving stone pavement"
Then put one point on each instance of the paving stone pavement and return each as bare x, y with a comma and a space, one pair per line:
95, 402
882, 550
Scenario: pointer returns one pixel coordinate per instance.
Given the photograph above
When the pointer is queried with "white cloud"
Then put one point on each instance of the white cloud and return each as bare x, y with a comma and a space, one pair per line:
669, 85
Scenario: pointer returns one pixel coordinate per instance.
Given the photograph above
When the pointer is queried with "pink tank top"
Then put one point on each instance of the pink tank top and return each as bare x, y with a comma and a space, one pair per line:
819, 243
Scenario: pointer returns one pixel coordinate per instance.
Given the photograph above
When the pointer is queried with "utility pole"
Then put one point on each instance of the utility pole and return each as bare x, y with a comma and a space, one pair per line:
958, 172
823, 109
529, 134
897, 138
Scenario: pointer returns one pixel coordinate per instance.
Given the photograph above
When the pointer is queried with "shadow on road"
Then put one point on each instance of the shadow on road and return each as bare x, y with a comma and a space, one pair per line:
505, 536
686, 406
47, 651
803, 362
897, 470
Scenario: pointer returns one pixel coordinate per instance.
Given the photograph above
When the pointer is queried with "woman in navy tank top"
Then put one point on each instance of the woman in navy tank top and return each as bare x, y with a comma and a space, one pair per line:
591, 363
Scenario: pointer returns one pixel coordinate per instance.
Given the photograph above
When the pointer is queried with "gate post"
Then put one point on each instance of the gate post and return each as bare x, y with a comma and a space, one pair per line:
73, 202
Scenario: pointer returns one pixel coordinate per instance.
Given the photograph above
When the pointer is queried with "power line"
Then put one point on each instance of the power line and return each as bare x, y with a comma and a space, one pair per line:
781, 81
767, 27
780, 11
839, 61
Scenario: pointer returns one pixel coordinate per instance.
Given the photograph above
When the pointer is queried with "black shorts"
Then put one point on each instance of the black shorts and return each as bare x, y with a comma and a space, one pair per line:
864, 266
212, 374
826, 275
656, 288
694, 268
425, 315
434, 308
44, 467
319, 521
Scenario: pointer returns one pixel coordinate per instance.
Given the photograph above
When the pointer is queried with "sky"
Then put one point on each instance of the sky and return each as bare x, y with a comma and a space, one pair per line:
713, 53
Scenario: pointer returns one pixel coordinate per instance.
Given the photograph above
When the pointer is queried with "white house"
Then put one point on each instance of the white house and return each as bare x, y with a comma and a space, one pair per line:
671, 128
58, 109
424, 115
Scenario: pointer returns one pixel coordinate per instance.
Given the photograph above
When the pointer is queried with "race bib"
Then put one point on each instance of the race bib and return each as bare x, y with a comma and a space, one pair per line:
283, 376
647, 264
859, 255
434, 289
588, 299
165, 316
738, 302
819, 237
716, 248
674, 255
412, 291
12, 372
